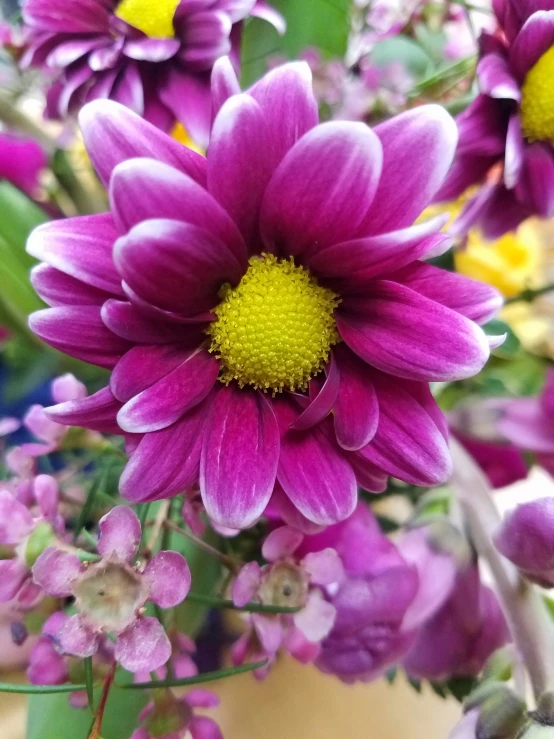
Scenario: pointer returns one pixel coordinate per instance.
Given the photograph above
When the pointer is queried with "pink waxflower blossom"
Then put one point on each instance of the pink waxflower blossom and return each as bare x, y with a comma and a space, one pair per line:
291, 581
157, 64
110, 594
168, 717
312, 215
25, 530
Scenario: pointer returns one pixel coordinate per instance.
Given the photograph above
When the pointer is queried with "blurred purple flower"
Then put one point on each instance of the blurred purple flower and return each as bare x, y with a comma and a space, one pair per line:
506, 133
21, 162
526, 537
164, 289
154, 57
462, 634
168, 717
110, 594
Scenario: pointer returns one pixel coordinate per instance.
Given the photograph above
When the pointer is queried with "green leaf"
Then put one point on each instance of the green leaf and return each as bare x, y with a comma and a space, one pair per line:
207, 677
323, 24
460, 687
399, 49
51, 716
29, 689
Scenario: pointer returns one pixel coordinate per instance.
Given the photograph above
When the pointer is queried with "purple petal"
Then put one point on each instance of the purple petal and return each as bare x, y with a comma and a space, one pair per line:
515, 152
202, 727
267, 13
204, 38
324, 567
80, 332
316, 619
239, 457
55, 571
199, 698
474, 300
314, 473
13, 574
495, 78
57, 288
322, 189
535, 39
408, 444
113, 133
224, 83
119, 534
143, 646
188, 98
97, 412
171, 397
536, 183
47, 495
321, 405
356, 411
165, 462
128, 322
269, 631
238, 163
77, 639
175, 266
526, 425
16, 521
246, 584
408, 335
80, 247
286, 97
142, 366
281, 543
418, 148
141, 189
151, 49
56, 16
350, 265
168, 577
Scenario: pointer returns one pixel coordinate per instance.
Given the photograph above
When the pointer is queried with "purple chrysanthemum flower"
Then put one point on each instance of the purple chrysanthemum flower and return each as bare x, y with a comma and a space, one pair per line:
239, 299
110, 594
154, 56
506, 133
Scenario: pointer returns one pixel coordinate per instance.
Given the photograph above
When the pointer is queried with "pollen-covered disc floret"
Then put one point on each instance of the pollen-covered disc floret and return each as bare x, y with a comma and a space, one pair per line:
152, 17
537, 100
275, 329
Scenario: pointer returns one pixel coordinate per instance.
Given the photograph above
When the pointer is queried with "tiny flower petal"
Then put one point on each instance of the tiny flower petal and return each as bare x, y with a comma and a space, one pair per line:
119, 534
76, 638
324, 567
168, 577
56, 571
316, 619
246, 584
281, 543
16, 521
143, 646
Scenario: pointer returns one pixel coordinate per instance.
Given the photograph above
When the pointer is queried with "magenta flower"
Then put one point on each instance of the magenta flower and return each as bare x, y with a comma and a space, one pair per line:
529, 423
110, 594
462, 635
506, 133
24, 532
239, 299
21, 161
168, 717
154, 56
526, 537
294, 582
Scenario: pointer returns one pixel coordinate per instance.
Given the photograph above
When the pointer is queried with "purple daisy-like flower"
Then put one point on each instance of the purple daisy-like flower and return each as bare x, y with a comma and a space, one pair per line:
506, 133
264, 310
154, 56
110, 594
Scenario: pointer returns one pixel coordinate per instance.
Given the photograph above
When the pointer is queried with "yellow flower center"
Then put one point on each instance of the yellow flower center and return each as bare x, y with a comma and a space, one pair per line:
152, 17
276, 328
537, 100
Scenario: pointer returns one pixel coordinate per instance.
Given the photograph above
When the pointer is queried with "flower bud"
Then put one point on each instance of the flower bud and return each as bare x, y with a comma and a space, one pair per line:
40, 539
526, 537
501, 715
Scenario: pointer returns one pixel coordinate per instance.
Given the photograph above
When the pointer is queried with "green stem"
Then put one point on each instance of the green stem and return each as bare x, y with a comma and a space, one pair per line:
209, 600
41, 689
197, 679
529, 295
226, 560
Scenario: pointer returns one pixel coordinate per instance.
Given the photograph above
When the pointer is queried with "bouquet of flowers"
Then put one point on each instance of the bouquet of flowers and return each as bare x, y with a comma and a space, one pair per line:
276, 335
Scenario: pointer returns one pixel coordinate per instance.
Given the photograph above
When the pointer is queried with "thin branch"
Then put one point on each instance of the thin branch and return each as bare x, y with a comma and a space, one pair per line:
159, 522
525, 611
225, 559
528, 296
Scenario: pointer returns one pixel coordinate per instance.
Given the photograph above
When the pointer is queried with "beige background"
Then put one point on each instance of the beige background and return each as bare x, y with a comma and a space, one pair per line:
297, 701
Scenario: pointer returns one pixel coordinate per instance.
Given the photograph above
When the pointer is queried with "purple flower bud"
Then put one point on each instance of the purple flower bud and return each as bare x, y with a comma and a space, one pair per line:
526, 537
19, 632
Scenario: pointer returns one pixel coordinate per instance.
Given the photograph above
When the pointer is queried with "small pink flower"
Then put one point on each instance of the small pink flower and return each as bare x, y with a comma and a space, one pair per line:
292, 582
175, 717
109, 595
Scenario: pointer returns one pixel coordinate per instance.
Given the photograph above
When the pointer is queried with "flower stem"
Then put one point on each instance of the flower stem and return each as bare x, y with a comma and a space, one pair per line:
529, 295
525, 611
225, 560
159, 522
97, 725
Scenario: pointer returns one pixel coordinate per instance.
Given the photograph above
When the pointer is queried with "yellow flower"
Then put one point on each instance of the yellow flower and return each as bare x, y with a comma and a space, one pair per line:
510, 264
